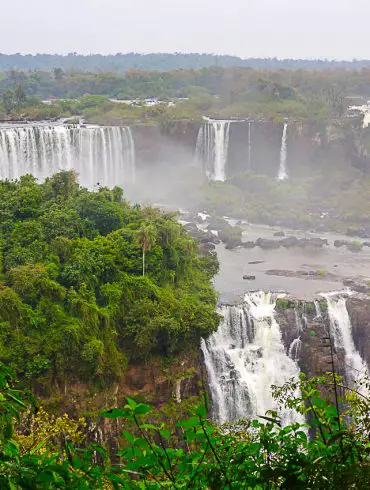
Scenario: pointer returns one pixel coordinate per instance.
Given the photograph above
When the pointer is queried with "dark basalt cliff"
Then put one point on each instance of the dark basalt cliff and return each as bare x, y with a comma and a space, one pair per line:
359, 313
186, 377
310, 145
314, 358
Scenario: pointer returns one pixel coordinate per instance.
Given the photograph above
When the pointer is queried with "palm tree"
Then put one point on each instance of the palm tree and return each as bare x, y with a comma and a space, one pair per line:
146, 237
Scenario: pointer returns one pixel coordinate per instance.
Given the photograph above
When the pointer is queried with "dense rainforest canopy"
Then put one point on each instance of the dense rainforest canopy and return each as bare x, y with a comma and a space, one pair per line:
89, 282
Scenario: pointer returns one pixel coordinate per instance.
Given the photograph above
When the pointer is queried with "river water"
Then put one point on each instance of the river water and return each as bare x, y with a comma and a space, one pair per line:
234, 264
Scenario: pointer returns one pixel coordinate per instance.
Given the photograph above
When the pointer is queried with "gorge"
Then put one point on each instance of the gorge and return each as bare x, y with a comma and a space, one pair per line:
263, 339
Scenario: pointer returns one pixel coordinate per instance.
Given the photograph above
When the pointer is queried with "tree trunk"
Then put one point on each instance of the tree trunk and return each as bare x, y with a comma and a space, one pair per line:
143, 262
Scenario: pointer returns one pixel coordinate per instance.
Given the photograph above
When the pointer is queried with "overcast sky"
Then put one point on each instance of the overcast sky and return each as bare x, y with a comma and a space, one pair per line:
247, 28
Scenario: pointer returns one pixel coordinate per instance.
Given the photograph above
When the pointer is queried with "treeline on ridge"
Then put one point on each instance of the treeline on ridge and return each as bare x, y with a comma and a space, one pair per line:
162, 62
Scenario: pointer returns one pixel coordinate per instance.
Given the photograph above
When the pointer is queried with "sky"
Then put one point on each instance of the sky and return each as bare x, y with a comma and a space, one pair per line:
333, 29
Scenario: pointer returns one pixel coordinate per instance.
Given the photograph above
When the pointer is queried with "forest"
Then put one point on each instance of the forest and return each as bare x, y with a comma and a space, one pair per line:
330, 451
90, 283
216, 91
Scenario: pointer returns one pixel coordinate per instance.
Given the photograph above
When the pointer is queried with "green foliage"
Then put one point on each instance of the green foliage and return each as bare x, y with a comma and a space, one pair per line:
282, 304
309, 307
230, 89
73, 300
323, 305
329, 452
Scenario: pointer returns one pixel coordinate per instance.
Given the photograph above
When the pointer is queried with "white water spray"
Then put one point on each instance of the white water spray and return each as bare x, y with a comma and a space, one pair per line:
244, 358
317, 309
212, 148
295, 349
104, 155
355, 367
283, 175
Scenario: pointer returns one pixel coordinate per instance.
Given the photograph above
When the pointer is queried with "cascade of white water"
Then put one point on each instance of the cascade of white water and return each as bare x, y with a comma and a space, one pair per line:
341, 329
317, 309
295, 349
299, 322
222, 133
283, 175
244, 358
99, 154
212, 148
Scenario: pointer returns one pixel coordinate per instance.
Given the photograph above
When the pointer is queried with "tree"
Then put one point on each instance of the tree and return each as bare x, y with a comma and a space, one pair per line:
146, 237
19, 96
73, 300
8, 101
58, 73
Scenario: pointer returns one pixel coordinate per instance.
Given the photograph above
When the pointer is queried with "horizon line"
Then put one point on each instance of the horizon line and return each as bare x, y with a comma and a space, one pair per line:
189, 53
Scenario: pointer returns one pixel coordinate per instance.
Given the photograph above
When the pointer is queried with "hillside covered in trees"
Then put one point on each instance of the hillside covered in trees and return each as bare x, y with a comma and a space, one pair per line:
90, 283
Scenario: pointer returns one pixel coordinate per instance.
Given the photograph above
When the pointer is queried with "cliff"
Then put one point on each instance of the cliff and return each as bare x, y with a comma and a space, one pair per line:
311, 145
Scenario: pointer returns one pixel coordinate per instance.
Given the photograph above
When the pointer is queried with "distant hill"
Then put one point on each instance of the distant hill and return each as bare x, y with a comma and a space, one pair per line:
161, 62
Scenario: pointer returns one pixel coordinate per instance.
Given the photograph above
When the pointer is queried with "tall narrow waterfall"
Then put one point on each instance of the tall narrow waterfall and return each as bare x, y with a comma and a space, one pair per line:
244, 358
212, 148
283, 175
341, 329
99, 154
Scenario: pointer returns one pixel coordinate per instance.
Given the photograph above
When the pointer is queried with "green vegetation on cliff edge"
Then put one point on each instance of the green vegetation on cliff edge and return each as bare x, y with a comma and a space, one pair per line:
331, 451
90, 283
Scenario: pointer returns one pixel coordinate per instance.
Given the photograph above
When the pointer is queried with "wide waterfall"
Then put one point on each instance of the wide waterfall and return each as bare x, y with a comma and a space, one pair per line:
212, 148
283, 175
104, 155
245, 357
355, 367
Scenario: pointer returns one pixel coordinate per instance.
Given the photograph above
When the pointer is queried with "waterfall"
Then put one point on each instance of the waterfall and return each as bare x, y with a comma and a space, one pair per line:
244, 358
104, 155
300, 323
212, 148
341, 329
282, 175
317, 309
295, 349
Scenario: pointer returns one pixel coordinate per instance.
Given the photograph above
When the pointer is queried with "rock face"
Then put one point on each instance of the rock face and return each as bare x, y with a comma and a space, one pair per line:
151, 381
309, 146
304, 335
299, 320
359, 313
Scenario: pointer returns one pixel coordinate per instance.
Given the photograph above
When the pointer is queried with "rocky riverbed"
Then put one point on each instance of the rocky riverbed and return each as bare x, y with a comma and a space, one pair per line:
302, 263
